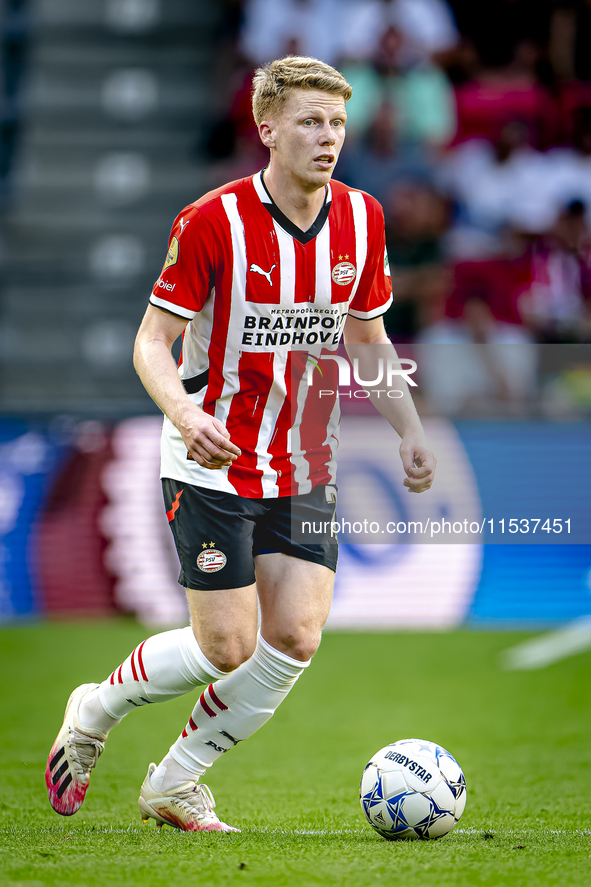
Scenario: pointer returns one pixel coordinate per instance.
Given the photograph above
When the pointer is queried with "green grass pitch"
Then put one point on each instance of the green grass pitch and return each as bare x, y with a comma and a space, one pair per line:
522, 738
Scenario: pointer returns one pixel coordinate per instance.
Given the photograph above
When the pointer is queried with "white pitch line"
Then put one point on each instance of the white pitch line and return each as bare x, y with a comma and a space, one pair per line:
310, 831
549, 648
469, 832
521, 831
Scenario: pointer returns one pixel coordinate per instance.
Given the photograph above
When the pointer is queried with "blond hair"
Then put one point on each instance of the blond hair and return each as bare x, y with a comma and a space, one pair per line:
273, 82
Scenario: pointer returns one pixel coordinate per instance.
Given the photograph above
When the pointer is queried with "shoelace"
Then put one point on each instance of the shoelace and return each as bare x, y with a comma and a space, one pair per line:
198, 797
86, 748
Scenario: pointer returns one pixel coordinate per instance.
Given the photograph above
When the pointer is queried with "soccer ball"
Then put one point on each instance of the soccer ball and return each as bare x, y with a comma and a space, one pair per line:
412, 789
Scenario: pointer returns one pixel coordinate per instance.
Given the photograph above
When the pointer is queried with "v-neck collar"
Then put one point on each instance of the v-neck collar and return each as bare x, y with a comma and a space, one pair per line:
281, 218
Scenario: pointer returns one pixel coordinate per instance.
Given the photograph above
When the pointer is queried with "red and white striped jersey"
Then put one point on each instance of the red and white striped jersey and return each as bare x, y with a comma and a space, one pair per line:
265, 301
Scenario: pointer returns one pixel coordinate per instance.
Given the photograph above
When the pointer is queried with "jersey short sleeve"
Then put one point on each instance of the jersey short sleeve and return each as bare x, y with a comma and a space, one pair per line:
374, 293
186, 278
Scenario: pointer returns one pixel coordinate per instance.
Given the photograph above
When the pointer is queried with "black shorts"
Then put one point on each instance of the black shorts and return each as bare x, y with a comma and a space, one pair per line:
218, 535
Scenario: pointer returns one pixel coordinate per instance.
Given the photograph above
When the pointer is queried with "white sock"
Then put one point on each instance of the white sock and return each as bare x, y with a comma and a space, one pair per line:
232, 710
169, 774
162, 667
92, 714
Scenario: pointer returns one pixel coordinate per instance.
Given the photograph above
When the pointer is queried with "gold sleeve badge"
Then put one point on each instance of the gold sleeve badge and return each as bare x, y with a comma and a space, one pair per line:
172, 255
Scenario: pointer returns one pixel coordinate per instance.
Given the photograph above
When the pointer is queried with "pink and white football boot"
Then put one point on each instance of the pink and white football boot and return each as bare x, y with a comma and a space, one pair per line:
188, 807
73, 755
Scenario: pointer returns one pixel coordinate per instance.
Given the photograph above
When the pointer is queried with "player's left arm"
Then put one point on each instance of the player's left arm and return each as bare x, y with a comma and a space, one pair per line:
367, 342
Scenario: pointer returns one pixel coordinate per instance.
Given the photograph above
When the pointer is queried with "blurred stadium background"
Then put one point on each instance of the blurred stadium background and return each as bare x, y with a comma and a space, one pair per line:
471, 123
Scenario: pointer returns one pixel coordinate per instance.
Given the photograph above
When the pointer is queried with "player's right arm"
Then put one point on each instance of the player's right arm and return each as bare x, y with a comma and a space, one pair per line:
206, 438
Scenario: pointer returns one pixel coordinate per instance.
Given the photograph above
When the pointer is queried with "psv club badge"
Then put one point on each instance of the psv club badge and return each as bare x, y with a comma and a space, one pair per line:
344, 273
211, 559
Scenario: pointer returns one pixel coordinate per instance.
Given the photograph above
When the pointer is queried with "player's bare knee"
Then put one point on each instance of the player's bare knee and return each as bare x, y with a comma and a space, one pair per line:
301, 643
228, 653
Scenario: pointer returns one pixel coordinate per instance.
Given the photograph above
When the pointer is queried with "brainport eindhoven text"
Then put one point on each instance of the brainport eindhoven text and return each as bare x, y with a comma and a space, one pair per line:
302, 327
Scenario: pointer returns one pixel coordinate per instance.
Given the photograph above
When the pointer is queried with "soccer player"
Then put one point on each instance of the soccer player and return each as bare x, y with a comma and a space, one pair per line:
261, 278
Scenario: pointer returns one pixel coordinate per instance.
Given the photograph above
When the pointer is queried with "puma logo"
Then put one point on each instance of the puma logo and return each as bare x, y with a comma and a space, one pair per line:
258, 270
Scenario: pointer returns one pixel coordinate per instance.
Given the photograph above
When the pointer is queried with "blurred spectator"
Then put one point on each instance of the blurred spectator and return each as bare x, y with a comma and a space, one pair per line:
495, 185
329, 29
380, 159
427, 26
291, 27
364, 104
416, 217
502, 94
476, 365
418, 90
499, 283
575, 106
568, 169
233, 144
569, 40
557, 305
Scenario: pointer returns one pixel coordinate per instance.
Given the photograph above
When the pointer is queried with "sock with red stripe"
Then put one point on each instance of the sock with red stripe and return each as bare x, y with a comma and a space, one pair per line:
229, 711
163, 667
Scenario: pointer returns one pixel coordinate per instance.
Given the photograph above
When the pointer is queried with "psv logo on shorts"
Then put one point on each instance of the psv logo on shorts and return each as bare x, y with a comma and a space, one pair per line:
211, 560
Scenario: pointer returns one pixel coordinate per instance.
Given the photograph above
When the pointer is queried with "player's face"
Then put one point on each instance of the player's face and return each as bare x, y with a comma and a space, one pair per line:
308, 136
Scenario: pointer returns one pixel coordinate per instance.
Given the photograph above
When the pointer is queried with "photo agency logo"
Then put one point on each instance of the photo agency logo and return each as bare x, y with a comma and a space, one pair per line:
369, 373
